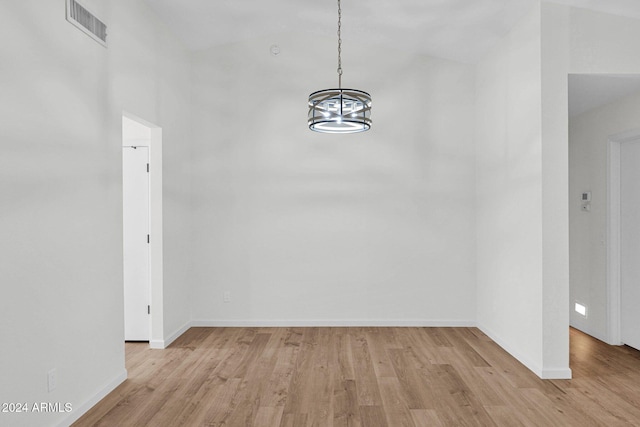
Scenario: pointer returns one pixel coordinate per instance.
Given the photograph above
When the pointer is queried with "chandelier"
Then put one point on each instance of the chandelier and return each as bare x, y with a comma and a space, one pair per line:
339, 110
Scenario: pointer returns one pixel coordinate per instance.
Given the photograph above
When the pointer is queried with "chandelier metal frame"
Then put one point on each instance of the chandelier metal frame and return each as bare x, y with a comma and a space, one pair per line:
339, 110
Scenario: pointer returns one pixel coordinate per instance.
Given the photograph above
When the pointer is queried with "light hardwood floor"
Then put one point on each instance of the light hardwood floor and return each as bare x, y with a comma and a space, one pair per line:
367, 377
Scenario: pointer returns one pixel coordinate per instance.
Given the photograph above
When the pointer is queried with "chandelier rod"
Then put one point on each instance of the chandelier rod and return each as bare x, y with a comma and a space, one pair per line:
339, 46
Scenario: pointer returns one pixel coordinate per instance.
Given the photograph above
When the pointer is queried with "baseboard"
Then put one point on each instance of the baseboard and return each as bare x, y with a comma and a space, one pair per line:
157, 344
533, 367
425, 323
89, 403
162, 344
176, 334
253, 323
582, 328
556, 374
545, 374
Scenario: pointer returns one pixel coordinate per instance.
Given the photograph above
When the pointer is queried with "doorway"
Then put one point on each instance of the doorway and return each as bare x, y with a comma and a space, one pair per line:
623, 279
602, 118
142, 231
136, 240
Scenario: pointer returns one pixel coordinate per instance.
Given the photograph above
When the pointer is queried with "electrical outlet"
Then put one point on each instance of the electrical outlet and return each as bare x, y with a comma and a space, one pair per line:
52, 380
226, 296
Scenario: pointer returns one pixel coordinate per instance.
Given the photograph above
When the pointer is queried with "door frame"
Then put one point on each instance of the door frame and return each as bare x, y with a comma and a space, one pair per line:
155, 230
614, 147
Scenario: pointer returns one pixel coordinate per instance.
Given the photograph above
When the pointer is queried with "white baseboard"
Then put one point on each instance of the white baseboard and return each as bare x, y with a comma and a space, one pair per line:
425, 323
219, 323
157, 344
162, 344
584, 328
532, 366
545, 374
176, 334
556, 374
89, 403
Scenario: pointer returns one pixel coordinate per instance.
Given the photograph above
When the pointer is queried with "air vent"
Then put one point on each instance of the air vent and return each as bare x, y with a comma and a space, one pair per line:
86, 22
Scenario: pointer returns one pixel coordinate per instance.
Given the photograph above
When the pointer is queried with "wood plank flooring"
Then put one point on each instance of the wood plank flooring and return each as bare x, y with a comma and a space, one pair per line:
364, 377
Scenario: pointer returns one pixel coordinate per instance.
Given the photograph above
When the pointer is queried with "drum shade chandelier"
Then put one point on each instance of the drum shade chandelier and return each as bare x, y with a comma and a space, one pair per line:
339, 110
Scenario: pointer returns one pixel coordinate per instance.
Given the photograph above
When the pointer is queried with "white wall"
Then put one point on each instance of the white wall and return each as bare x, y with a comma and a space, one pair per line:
523, 227
588, 169
61, 250
150, 74
61, 195
509, 192
302, 228
593, 43
306, 228
555, 211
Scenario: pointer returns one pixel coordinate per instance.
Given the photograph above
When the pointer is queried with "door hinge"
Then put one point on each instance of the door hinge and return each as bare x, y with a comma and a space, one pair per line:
148, 239
147, 167
148, 309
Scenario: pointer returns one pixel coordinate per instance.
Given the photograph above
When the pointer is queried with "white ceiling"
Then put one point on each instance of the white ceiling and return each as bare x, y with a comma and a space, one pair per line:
461, 30
589, 91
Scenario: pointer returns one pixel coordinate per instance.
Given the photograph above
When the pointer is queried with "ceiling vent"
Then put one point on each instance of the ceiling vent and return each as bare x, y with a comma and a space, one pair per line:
86, 22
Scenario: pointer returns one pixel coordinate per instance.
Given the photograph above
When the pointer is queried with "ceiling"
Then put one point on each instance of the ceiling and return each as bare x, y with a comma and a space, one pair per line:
589, 91
460, 30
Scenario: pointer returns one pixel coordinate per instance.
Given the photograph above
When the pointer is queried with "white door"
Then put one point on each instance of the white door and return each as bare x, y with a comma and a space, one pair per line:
630, 243
136, 243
